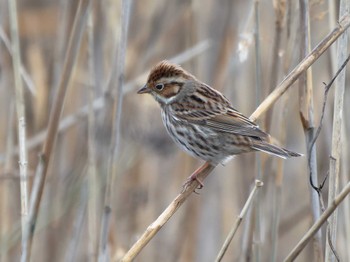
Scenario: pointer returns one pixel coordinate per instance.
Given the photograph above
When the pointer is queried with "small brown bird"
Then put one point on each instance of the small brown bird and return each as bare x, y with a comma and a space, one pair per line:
201, 120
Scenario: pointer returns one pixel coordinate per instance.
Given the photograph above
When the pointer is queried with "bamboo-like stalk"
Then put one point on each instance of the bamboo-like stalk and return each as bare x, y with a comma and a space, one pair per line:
332, 19
317, 225
153, 228
258, 184
61, 43
276, 211
21, 124
336, 137
277, 190
92, 170
257, 237
247, 237
70, 59
251, 225
307, 119
345, 176
280, 11
4, 187
343, 24
116, 119
252, 230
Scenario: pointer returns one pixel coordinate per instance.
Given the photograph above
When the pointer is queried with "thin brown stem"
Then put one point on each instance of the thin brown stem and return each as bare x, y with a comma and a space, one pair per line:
55, 114
92, 169
116, 107
317, 225
21, 124
5, 189
153, 228
280, 11
258, 184
307, 119
334, 164
343, 24
258, 87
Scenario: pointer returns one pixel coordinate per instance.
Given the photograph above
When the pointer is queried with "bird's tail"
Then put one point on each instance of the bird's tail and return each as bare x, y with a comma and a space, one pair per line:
275, 150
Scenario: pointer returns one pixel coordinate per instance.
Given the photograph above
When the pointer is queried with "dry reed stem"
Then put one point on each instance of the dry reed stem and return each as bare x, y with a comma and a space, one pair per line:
332, 19
281, 12
279, 7
257, 236
28, 234
92, 169
21, 124
5, 185
345, 172
317, 225
334, 164
117, 71
343, 24
55, 114
202, 173
281, 112
314, 137
258, 184
280, 118
306, 109
61, 40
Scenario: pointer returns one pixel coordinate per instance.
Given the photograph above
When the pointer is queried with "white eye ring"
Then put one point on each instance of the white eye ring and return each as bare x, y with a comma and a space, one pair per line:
159, 87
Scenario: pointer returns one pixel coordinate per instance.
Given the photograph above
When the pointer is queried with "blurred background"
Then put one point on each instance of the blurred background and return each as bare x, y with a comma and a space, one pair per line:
214, 40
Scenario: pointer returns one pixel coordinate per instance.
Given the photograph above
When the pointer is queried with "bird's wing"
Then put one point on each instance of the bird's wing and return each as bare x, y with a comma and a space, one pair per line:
234, 122
217, 114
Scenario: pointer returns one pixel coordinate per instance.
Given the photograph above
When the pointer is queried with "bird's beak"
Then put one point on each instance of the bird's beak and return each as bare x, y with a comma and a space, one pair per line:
144, 90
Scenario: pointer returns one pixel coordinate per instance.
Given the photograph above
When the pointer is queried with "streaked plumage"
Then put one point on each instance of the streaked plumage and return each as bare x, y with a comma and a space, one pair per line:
201, 120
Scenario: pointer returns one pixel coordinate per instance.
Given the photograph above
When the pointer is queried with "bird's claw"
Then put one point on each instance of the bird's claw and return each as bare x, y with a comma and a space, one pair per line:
190, 180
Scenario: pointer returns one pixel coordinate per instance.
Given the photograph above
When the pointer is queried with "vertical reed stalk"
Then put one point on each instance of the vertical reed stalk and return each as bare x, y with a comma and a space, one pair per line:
21, 124
307, 119
335, 158
55, 115
119, 65
92, 170
5, 189
258, 184
258, 211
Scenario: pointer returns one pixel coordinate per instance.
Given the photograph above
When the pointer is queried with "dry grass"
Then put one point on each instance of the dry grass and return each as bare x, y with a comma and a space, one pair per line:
149, 169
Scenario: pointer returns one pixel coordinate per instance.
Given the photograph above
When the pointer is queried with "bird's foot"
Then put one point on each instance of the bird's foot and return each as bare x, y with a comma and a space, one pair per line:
192, 178
201, 172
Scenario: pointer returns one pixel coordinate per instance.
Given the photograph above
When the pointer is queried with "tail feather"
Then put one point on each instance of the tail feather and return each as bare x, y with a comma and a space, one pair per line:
275, 150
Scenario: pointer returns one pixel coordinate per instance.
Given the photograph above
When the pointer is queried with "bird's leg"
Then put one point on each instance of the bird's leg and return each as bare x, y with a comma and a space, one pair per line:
194, 175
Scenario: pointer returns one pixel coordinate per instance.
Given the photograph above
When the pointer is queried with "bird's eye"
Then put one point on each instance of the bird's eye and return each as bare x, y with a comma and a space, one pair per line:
159, 87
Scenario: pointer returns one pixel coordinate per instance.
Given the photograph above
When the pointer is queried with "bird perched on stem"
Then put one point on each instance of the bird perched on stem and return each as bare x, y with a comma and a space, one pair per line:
201, 120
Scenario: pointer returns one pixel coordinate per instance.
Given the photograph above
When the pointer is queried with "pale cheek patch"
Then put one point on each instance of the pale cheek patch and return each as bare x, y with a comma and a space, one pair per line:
171, 91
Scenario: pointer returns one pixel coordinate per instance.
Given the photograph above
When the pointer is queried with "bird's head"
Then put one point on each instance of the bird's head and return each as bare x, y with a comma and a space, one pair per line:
167, 82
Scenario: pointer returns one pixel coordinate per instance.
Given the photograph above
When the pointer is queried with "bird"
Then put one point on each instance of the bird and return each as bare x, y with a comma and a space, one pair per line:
201, 120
